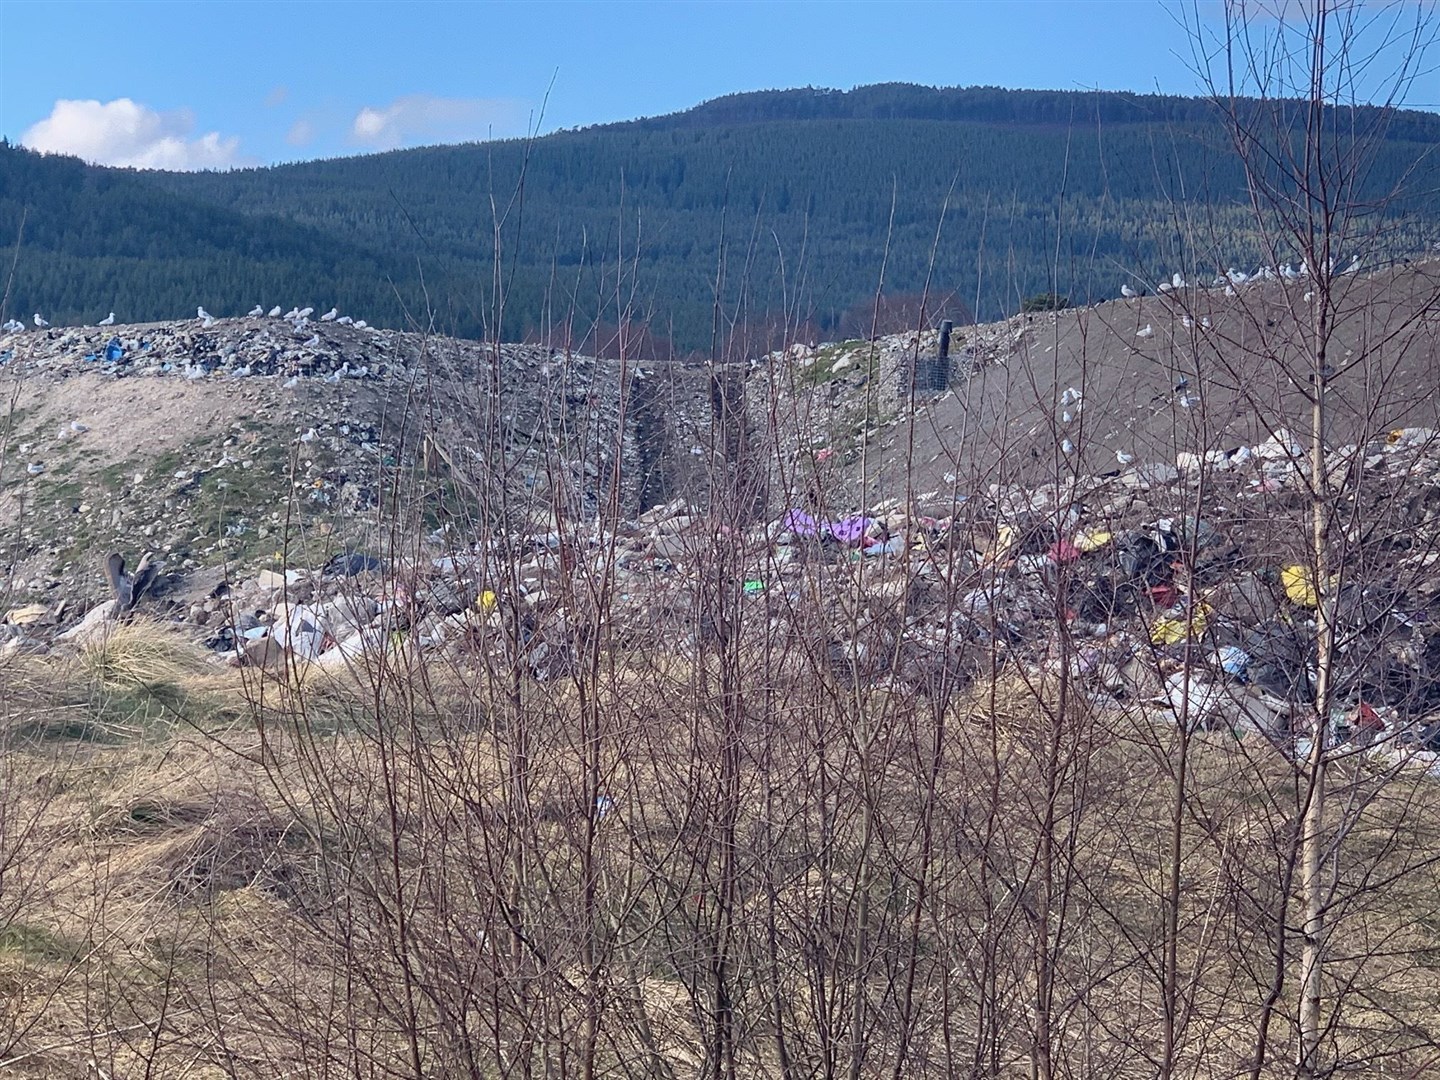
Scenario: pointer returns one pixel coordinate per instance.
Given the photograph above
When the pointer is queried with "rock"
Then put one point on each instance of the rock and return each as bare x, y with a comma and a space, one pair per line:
92, 625
270, 579
26, 616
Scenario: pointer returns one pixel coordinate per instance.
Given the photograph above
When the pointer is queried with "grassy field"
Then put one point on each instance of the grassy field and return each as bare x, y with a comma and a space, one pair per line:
693, 862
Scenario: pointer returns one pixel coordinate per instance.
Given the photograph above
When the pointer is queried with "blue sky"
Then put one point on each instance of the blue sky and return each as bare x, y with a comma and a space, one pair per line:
204, 83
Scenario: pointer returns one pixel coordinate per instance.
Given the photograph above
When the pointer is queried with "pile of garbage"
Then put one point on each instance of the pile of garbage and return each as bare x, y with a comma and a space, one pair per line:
246, 421
1209, 615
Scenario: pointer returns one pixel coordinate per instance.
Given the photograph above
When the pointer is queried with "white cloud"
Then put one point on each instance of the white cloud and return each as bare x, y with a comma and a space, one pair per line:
301, 133
276, 96
420, 118
123, 132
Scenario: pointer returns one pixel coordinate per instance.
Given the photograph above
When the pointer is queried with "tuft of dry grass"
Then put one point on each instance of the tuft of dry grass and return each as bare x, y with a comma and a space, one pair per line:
143, 652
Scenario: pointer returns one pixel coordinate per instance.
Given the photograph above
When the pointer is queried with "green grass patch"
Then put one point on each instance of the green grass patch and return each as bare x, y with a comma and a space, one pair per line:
37, 944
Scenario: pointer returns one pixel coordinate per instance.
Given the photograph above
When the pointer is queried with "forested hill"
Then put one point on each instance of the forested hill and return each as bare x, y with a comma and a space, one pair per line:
795, 201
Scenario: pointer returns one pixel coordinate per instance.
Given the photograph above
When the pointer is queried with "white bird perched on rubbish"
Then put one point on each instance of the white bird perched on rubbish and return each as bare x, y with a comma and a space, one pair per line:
1205, 322
274, 312
344, 320
305, 313
1354, 265
1177, 281
1146, 331
201, 313
331, 315
1230, 290
257, 311
13, 326
108, 320
361, 324
1127, 292
1186, 321
40, 321
294, 312
1236, 277
1289, 273
1124, 457
1067, 447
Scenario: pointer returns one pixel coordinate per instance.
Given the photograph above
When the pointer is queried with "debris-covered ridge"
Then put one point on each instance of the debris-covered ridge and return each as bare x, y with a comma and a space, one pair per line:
202, 438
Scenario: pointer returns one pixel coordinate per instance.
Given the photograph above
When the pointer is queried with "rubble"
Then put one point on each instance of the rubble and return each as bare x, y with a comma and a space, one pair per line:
210, 440
1158, 586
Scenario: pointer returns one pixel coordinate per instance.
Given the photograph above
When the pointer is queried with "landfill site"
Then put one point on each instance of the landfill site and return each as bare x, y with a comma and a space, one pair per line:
1159, 515
931, 642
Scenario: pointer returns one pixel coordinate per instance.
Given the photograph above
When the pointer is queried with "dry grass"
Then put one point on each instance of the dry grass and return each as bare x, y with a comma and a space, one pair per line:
227, 875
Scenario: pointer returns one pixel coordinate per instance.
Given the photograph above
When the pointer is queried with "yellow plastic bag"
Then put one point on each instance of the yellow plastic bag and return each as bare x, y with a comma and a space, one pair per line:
1173, 629
1299, 585
1088, 541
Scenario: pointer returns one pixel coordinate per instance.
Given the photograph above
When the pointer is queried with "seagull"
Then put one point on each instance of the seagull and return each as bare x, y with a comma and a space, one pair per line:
1205, 321
1127, 292
1354, 265
1289, 273
344, 320
108, 320
1124, 457
13, 326
257, 311
292, 313
35, 468
1067, 447
1236, 277
1146, 331
1070, 396
312, 343
330, 315
1229, 290
1164, 287
201, 313
1186, 321
305, 313
274, 312
1177, 281
361, 324
40, 321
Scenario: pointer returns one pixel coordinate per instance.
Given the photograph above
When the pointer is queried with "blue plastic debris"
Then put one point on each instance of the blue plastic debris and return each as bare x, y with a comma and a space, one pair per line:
1234, 661
114, 351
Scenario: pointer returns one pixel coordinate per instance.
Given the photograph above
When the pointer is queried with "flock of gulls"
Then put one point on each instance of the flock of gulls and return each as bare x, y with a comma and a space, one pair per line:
1233, 278
296, 316
1228, 281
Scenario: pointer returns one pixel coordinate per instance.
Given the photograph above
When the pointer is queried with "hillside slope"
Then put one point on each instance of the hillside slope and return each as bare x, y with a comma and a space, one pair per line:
792, 202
